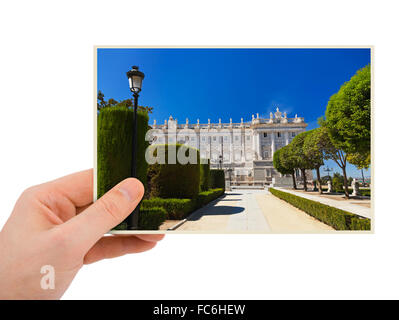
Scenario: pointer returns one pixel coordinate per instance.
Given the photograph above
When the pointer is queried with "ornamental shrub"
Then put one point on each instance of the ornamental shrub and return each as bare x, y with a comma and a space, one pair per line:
336, 218
175, 209
207, 196
174, 180
217, 178
205, 176
114, 146
151, 218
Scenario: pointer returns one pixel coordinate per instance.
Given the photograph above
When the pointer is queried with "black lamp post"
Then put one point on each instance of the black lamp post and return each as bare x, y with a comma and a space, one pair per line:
220, 162
328, 170
135, 81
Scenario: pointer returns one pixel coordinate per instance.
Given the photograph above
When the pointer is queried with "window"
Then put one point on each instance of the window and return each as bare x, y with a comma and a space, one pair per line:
279, 134
214, 138
203, 138
225, 138
293, 134
187, 138
236, 138
192, 138
265, 134
248, 138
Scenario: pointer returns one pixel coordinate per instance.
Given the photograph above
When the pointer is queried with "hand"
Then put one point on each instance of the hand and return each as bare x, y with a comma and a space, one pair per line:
54, 224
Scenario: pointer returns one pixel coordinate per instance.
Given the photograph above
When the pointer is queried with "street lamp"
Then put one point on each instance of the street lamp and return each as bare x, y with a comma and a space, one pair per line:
220, 161
135, 81
328, 170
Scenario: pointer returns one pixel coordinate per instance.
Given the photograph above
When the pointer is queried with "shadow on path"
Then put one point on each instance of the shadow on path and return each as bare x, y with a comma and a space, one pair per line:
214, 211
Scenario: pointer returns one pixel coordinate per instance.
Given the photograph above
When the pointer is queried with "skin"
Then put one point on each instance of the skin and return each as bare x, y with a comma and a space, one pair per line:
57, 224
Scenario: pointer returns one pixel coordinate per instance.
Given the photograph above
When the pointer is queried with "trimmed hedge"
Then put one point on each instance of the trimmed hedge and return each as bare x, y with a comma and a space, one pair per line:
177, 209
174, 180
114, 146
205, 176
217, 178
149, 219
208, 196
336, 218
363, 192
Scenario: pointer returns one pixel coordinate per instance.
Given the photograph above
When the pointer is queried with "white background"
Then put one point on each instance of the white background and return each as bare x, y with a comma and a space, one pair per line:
46, 131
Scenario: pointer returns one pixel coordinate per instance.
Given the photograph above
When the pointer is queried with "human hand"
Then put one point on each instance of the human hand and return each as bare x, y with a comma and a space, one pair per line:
55, 224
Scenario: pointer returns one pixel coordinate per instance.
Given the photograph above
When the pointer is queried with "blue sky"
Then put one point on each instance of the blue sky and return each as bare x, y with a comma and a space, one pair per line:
224, 83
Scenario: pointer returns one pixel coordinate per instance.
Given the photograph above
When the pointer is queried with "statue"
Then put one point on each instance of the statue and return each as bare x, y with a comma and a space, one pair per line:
155, 122
257, 115
355, 188
271, 115
329, 186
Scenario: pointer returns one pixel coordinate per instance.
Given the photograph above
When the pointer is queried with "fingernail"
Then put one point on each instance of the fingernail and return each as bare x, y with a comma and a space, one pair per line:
129, 189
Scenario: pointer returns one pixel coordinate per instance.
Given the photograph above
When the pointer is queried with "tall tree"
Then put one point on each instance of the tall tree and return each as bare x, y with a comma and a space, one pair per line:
288, 161
281, 164
314, 152
128, 103
100, 100
330, 151
297, 152
348, 114
361, 161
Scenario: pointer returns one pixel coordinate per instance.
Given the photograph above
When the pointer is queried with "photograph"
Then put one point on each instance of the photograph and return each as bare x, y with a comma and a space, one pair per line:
237, 139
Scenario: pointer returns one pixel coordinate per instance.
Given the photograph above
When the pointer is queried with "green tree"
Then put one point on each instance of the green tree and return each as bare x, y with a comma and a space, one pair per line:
337, 182
298, 154
313, 148
348, 114
331, 151
361, 161
127, 103
100, 100
282, 164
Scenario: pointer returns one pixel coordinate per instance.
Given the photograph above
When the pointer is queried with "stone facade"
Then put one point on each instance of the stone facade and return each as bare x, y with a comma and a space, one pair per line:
246, 148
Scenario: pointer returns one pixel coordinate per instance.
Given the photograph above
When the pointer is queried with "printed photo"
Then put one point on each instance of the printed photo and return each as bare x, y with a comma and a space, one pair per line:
237, 140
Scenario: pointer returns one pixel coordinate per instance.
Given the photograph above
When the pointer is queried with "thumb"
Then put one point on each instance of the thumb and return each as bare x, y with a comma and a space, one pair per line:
104, 214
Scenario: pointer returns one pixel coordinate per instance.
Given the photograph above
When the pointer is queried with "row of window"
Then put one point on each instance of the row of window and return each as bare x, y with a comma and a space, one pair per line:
278, 134
236, 138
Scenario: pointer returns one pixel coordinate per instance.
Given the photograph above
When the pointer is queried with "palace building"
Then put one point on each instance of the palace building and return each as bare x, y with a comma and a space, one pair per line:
244, 150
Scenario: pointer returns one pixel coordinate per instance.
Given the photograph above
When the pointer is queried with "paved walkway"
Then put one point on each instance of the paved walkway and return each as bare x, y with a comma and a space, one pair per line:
352, 206
251, 211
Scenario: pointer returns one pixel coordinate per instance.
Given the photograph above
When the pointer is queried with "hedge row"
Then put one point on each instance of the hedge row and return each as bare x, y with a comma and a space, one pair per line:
149, 219
217, 178
114, 147
363, 192
208, 196
166, 180
205, 176
336, 218
177, 209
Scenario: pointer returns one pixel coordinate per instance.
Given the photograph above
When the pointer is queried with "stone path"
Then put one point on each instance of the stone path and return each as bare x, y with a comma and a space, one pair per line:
352, 206
251, 211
